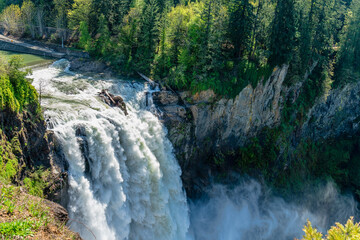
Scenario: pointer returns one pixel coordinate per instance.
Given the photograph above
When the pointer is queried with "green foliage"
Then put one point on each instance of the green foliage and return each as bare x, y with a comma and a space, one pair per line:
260, 154
348, 64
22, 226
207, 44
28, 16
36, 182
85, 40
102, 43
9, 166
11, 19
79, 13
16, 92
349, 231
240, 25
283, 33
148, 36
17, 228
311, 233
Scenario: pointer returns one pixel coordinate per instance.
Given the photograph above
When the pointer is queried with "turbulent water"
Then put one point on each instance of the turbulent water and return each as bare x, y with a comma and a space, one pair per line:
249, 212
125, 181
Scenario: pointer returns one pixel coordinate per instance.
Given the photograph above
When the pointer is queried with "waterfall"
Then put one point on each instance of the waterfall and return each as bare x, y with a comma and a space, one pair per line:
124, 181
123, 176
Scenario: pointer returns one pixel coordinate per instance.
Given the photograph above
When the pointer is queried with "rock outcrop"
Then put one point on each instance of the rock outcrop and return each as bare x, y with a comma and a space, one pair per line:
33, 147
336, 115
113, 101
202, 124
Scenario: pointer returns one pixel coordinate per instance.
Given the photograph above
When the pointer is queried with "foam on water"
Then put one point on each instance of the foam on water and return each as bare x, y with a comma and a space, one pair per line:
124, 179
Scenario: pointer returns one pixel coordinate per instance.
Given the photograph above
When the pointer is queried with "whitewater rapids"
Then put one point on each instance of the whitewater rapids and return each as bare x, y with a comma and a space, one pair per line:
123, 176
124, 180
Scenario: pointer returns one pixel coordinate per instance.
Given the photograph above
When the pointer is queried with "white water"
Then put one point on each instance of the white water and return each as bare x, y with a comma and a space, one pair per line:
125, 181
132, 189
249, 212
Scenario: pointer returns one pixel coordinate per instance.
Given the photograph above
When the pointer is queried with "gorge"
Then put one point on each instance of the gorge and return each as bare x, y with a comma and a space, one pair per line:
124, 180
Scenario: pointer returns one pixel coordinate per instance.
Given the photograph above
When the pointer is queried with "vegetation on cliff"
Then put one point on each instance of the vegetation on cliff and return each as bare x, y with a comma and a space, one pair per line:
22, 139
16, 92
17, 97
23, 216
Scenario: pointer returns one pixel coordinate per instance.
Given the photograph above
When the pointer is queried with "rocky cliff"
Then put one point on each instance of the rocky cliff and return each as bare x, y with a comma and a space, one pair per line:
335, 115
203, 124
204, 127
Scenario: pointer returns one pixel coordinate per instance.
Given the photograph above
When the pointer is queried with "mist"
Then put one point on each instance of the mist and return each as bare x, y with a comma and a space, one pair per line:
250, 211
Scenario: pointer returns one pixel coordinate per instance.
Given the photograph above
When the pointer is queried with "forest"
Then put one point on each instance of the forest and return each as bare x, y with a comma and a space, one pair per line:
205, 44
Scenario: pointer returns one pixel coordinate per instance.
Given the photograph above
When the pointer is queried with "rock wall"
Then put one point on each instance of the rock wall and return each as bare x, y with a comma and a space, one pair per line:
201, 125
33, 146
335, 115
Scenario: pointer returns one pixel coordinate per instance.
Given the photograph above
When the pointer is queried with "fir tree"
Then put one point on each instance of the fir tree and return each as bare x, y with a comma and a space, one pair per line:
240, 26
283, 33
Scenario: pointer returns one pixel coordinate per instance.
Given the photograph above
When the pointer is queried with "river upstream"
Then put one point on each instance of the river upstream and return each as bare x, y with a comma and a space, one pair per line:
125, 180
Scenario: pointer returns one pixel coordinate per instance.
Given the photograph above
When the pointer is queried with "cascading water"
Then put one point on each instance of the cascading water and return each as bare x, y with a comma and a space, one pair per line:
125, 181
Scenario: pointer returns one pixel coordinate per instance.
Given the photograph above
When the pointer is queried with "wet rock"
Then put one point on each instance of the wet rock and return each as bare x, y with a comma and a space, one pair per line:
113, 101
88, 66
165, 98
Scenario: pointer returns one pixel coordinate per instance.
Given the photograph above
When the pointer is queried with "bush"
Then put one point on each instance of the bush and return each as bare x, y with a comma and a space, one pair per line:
349, 231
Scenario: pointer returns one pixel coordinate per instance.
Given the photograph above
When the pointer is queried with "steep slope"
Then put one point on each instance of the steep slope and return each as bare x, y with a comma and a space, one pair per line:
25, 161
214, 135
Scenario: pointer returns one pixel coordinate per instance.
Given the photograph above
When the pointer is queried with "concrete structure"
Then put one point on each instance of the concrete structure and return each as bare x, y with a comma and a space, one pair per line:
13, 45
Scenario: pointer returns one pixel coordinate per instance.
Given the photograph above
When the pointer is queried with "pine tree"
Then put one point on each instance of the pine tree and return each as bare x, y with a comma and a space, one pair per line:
321, 43
85, 38
283, 33
113, 11
240, 26
103, 42
348, 60
148, 37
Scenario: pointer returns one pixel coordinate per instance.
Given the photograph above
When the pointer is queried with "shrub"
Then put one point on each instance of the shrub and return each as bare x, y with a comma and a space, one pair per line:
349, 231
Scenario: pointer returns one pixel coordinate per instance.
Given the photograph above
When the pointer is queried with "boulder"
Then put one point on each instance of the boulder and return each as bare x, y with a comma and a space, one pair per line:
113, 101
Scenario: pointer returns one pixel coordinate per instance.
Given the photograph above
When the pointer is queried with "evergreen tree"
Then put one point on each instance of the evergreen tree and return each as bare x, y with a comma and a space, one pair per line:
79, 12
85, 38
283, 33
322, 39
148, 37
113, 11
348, 62
240, 26
102, 43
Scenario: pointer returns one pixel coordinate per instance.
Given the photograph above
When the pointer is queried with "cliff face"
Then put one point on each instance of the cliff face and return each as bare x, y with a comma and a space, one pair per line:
25, 140
202, 126
27, 135
335, 115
